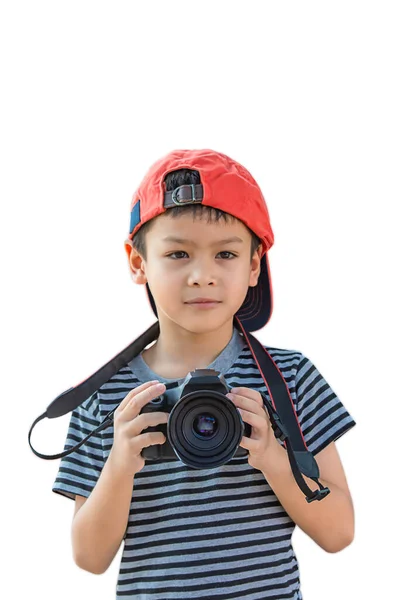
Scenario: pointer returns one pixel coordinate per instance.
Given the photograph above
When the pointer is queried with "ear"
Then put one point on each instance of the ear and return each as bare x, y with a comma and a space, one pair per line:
255, 267
136, 263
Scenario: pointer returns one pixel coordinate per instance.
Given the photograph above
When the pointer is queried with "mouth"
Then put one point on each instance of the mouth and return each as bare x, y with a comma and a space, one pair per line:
203, 304
196, 302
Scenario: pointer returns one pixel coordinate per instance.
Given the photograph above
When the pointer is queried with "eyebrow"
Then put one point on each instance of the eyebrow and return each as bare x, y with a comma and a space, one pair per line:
177, 240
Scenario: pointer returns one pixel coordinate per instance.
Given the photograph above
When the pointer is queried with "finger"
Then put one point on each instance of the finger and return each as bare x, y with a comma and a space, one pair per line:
247, 403
133, 392
136, 403
251, 445
152, 438
140, 396
252, 419
248, 393
136, 426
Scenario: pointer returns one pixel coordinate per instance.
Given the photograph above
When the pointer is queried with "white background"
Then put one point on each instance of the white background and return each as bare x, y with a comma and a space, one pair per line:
306, 96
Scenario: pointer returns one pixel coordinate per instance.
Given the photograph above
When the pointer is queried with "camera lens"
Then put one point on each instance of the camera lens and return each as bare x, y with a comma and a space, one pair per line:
204, 429
205, 425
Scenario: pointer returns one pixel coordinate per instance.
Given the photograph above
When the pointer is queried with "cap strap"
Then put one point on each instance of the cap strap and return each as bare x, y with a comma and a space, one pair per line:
188, 193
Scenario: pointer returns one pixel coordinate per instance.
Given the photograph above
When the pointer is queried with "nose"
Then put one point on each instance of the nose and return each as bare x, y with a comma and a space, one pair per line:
202, 272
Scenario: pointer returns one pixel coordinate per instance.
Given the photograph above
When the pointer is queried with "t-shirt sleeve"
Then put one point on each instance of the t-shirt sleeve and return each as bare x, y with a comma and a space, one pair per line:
322, 416
79, 471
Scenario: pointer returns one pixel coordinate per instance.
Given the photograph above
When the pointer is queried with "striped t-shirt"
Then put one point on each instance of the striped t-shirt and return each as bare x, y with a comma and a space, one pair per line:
213, 534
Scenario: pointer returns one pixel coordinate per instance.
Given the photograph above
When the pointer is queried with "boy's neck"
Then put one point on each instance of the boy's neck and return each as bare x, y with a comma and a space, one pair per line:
176, 352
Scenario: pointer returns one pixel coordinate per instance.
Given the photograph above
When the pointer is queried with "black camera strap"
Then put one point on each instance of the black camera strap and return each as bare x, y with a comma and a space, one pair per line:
282, 412
284, 420
70, 399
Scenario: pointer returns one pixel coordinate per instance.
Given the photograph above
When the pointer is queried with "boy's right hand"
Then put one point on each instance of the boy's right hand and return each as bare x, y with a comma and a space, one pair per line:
129, 440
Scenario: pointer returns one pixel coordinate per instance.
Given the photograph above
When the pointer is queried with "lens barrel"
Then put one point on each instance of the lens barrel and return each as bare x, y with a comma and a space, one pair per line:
204, 429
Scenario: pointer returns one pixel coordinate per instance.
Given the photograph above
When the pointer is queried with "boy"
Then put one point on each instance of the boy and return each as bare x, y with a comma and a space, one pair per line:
201, 251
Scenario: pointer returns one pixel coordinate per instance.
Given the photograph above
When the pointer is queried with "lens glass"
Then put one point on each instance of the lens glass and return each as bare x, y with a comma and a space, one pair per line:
205, 425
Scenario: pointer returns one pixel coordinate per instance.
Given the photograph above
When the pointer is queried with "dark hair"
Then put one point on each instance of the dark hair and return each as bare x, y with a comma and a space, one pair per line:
173, 180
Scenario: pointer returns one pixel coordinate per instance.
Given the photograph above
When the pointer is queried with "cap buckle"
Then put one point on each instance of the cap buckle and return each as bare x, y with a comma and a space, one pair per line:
184, 200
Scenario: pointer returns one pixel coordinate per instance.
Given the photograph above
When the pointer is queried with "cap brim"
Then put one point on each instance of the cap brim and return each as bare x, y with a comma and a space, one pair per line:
256, 309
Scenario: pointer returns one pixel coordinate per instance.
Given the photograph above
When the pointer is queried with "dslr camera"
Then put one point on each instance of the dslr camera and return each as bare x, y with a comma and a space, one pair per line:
204, 427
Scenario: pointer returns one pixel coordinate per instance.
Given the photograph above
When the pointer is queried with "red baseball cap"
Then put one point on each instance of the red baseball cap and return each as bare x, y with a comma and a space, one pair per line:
225, 185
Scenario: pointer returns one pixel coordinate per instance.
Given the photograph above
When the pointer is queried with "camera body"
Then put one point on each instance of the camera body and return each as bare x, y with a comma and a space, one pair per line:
204, 427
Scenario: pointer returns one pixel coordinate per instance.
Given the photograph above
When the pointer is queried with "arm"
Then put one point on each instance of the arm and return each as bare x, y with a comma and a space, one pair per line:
330, 521
99, 525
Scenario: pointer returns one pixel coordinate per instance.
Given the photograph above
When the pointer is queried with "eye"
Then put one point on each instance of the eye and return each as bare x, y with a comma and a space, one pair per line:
174, 257
226, 252
178, 252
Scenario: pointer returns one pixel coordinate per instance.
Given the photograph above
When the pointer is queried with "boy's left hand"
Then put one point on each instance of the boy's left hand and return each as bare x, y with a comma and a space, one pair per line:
252, 410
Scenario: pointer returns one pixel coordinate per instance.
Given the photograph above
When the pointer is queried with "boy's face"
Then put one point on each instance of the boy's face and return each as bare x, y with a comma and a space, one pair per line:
178, 272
